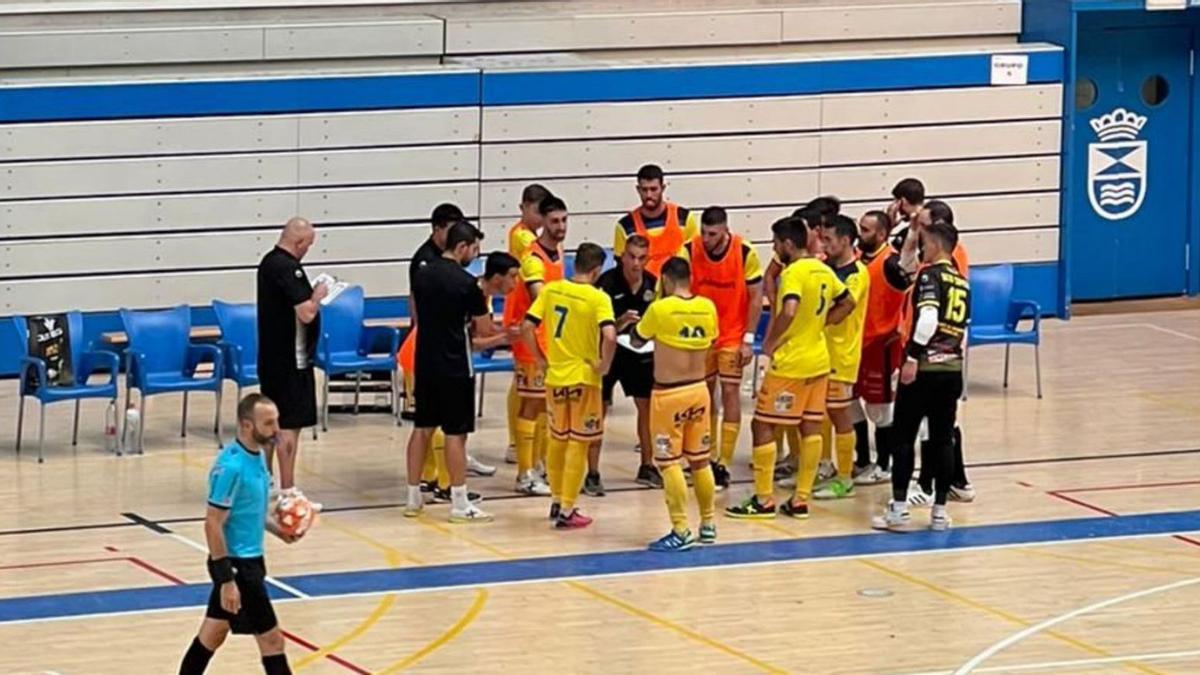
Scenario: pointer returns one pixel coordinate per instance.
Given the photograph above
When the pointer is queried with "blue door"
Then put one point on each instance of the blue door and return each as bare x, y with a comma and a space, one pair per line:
1131, 148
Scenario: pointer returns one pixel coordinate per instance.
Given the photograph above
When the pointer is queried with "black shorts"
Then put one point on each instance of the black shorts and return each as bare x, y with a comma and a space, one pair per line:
257, 616
635, 373
446, 402
294, 392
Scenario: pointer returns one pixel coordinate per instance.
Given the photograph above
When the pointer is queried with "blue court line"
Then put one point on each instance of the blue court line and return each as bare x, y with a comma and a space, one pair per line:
552, 568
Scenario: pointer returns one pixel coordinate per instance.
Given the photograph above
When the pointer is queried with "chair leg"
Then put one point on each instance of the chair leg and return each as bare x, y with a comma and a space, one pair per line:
75, 427
183, 424
141, 433
482, 383
357, 390
1007, 349
42, 434
325, 405
20, 419
395, 394
217, 418
1037, 364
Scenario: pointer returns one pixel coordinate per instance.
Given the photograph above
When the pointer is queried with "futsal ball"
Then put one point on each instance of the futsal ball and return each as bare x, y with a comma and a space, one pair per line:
295, 514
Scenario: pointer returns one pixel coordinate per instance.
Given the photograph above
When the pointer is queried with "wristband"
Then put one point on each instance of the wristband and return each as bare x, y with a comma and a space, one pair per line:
748, 338
220, 571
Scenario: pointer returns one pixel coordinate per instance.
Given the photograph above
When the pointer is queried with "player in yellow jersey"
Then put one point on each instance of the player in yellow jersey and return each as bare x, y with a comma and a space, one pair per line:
794, 390
683, 327
845, 351
581, 337
521, 236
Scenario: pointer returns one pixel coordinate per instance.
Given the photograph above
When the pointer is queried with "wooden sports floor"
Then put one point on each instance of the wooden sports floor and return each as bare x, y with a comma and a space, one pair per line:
1076, 557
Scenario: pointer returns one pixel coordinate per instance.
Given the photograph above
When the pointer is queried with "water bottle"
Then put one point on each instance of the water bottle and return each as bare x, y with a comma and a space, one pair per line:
110, 428
132, 424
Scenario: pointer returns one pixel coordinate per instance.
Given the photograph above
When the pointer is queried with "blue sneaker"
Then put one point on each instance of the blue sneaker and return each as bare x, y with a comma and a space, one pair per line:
708, 533
671, 542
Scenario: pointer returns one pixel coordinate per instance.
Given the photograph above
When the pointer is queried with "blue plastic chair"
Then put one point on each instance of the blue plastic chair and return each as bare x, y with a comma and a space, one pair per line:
163, 360
347, 346
995, 318
239, 342
486, 362
85, 364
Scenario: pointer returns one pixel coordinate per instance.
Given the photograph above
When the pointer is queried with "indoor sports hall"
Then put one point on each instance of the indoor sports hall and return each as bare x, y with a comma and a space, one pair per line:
155, 155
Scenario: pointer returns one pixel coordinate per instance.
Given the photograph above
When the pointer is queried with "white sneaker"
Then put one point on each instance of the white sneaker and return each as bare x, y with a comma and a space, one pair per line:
939, 521
532, 484
510, 455
918, 497
826, 471
965, 493
787, 481
479, 468
471, 514
873, 475
413, 510
895, 517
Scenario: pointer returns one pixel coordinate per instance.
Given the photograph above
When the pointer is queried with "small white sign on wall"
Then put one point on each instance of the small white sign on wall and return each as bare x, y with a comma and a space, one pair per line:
1152, 5
1010, 69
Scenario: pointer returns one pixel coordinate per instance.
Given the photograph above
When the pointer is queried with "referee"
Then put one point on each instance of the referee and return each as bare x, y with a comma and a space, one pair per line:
289, 322
448, 300
632, 289
238, 488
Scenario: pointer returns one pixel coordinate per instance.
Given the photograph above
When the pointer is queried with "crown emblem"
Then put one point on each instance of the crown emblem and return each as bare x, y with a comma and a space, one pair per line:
1118, 125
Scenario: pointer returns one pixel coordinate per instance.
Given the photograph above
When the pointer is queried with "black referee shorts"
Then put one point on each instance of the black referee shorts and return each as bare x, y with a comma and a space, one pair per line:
446, 402
257, 616
294, 392
634, 372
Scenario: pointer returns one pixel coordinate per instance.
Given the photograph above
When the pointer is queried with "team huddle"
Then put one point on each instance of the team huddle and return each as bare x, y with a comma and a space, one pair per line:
865, 326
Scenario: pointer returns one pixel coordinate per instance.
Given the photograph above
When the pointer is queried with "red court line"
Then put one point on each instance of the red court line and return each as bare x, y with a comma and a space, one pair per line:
1097, 509
156, 571
1128, 486
58, 563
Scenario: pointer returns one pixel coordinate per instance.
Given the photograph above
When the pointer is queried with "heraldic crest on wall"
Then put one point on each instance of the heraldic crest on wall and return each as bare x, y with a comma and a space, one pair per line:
1117, 165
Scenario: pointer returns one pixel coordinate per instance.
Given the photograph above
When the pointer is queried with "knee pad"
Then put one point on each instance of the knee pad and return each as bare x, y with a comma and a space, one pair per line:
880, 414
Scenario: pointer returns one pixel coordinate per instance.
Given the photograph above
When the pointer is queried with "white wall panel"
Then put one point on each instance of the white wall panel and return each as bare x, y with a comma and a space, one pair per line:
622, 157
919, 19
56, 217
1022, 246
421, 36
915, 144
129, 45
389, 127
389, 165
651, 118
939, 106
944, 178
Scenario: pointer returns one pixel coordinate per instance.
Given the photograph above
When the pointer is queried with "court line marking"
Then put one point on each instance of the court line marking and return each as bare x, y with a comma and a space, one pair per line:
1013, 639
1097, 509
1141, 325
1127, 486
472, 613
1153, 656
1107, 563
170, 534
353, 634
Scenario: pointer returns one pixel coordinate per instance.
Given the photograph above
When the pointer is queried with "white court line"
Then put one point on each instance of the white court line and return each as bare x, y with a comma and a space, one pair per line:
1072, 329
1013, 639
270, 580
1015, 668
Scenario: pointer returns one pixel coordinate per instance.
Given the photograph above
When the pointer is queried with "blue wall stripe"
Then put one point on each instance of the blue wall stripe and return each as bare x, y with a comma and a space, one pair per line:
756, 79
238, 97
615, 562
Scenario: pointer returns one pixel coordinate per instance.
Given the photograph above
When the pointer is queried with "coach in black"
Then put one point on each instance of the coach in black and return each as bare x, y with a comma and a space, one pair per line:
632, 289
448, 300
289, 323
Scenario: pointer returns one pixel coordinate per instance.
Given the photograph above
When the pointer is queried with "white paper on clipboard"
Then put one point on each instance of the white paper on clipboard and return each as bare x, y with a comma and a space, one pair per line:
623, 340
335, 287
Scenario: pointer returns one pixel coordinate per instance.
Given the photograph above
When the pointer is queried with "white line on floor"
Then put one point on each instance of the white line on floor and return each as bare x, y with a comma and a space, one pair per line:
270, 580
1018, 667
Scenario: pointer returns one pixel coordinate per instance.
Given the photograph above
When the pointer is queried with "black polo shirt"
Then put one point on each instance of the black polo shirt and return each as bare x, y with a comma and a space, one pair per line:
283, 342
426, 253
623, 297
447, 298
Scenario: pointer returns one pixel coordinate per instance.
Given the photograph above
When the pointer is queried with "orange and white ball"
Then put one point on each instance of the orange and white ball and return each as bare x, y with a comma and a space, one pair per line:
295, 514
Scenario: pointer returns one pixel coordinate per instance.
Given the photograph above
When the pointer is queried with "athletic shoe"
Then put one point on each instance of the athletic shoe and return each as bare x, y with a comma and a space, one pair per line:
532, 484
555, 509
872, 475
471, 514
918, 497
649, 476
720, 476
672, 542
788, 482
592, 485
441, 496
837, 488
795, 508
413, 511
572, 521
962, 493
784, 469
939, 522
826, 471
708, 533
479, 468
751, 509
895, 517
638, 448
510, 455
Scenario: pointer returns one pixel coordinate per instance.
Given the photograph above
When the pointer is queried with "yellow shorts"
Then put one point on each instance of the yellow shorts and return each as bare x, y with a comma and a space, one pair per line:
839, 395
788, 401
725, 364
575, 413
531, 380
679, 423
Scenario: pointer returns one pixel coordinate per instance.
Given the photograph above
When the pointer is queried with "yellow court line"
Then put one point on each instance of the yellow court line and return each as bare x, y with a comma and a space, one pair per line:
1147, 549
481, 596
999, 613
1102, 562
353, 634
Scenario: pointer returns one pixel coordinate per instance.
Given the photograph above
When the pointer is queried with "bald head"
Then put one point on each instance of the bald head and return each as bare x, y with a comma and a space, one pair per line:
297, 237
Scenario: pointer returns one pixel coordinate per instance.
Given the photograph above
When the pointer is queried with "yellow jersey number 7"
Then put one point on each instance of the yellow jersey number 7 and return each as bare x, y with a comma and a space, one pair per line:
561, 311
